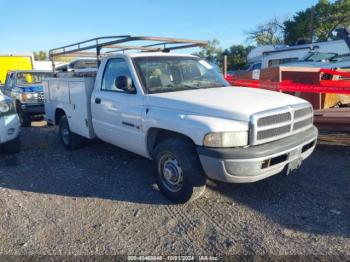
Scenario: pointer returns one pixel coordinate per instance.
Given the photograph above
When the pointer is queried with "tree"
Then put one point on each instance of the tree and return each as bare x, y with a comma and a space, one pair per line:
318, 22
237, 57
270, 33
40, 56
212, 52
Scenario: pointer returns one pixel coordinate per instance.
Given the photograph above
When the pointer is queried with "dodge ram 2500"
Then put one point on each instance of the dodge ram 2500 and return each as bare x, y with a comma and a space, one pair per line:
177, 111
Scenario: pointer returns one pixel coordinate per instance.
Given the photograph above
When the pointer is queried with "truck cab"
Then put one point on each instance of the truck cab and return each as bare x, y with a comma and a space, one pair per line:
25, 88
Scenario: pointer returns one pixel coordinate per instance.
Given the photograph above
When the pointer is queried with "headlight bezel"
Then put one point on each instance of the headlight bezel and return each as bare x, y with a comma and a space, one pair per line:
7, 107
29, 97
226, 139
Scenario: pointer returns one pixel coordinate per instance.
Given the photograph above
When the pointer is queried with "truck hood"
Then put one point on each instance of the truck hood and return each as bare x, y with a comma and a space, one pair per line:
236, 103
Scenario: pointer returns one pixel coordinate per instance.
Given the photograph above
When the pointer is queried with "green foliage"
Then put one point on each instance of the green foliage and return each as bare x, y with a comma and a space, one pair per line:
318, 22
236, 55
40, 56
212, 52
312, 24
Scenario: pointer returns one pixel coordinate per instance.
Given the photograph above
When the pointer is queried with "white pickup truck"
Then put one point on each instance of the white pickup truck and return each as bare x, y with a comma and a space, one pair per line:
179, 112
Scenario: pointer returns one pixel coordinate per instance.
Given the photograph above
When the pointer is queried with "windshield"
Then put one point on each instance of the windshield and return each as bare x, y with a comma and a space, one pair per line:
29, 78
319, 57
169, 74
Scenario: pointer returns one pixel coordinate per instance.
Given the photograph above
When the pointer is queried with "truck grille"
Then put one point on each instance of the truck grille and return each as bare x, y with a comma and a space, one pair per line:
273, 132
270, 120
278, 123
41, 97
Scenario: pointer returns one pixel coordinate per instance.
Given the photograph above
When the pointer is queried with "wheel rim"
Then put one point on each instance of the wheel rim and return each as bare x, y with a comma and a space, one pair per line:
170, 173
65, 133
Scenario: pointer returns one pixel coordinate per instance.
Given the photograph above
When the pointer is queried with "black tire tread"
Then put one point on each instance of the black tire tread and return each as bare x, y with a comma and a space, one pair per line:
193, 173
75, 141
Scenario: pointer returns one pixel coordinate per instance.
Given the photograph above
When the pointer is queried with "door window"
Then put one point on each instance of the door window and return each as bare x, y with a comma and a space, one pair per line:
115, 67
10, 83
256, 66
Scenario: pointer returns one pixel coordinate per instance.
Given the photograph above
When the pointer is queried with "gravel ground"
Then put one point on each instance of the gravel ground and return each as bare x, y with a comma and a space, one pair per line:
101, 200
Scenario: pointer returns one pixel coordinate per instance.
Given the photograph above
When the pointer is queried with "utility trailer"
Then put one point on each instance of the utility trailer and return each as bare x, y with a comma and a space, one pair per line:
179, 112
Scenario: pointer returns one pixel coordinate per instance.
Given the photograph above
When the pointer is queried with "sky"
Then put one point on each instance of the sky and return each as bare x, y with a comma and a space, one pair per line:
28, 26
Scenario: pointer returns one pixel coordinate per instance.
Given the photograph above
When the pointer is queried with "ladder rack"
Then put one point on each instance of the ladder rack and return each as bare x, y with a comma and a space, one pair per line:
117, 44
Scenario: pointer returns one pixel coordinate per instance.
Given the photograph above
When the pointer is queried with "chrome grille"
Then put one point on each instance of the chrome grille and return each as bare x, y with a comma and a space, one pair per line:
273, 132
40, 97
274, 119
303, 112
303, 123
278, 123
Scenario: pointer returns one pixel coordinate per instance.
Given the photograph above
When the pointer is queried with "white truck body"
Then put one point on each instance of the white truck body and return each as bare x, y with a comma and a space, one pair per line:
276, 128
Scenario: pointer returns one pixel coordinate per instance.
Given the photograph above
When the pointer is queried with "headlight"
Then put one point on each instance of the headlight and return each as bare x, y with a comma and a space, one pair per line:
226, 139
7, 108
25, 97
29, 97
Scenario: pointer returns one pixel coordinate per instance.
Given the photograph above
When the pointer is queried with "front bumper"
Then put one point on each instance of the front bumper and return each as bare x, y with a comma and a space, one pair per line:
9, 128
245, 165
33, 109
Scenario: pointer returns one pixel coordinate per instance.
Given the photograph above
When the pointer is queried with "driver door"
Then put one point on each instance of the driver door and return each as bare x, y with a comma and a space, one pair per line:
116, 114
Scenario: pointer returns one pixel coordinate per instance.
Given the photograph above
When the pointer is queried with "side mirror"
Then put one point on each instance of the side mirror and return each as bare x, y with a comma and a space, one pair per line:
125, 83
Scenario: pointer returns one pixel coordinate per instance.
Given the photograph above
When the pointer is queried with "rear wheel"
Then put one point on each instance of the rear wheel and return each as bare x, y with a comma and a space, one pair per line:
13, 146
179, 174
69, 139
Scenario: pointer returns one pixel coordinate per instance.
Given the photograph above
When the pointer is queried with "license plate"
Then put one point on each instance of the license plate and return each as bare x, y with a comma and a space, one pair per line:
296, 163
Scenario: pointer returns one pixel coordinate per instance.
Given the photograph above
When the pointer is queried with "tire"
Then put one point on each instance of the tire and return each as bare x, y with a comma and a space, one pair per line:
25, 119
70, 140
13, 146
178, 171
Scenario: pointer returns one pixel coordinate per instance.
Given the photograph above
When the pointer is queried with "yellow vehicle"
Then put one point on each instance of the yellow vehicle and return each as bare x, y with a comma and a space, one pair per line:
12, 62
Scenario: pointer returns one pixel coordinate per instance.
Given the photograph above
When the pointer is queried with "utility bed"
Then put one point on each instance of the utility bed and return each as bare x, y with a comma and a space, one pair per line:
73, 94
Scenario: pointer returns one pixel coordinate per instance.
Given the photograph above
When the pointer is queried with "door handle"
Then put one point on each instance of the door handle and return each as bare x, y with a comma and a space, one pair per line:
98, 100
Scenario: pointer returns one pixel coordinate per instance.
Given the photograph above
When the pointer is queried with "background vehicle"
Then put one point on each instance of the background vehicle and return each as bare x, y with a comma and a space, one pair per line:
77, 64
323, 60
14, 62
25, 87
9, 126
179, 111
272, 56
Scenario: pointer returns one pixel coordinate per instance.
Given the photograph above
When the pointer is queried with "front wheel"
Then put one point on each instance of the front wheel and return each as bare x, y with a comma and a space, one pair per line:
178, 171
69, 139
